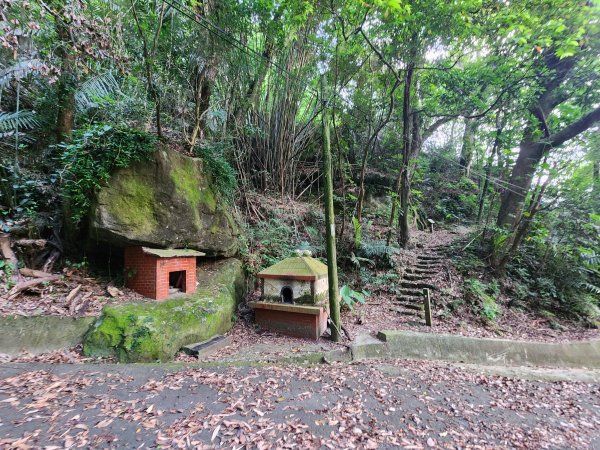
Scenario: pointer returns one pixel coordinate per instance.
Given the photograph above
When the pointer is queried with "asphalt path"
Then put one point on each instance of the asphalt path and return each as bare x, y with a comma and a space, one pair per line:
375, 404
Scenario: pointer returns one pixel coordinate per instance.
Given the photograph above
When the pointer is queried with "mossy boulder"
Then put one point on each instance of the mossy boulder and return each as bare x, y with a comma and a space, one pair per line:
155, 331
168, 201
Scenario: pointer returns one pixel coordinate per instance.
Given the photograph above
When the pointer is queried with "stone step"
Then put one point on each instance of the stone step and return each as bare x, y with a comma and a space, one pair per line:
427, 266
416, 277
405, 311
418, 270
431, 258
411, 292
209, 346
417, 285
410, 298
412, 306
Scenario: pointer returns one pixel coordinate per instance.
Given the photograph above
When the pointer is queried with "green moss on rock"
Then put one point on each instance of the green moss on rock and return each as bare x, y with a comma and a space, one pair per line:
135, 207
155, 331
167, 202
185, 175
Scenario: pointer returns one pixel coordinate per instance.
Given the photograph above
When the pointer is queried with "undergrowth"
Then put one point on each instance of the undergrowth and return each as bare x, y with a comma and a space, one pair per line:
541, 278
223, 175
268, 241
92, 155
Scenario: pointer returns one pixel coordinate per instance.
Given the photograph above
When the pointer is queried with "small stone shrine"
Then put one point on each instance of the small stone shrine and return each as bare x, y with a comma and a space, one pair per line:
294, 297
160, 273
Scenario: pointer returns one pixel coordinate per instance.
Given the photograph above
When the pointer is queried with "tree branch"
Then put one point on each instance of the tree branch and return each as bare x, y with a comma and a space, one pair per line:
434, 126
380, 56
574, 129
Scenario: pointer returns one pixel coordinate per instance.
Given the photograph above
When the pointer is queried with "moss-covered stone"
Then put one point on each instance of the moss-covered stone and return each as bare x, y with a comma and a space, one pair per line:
155, 331
166, 202
135, 205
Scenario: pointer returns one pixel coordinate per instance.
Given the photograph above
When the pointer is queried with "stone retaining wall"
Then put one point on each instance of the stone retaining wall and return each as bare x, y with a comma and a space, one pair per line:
500, 352
40, 334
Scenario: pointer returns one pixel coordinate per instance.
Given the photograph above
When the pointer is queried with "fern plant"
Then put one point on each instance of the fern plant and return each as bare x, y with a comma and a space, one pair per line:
13, 121
483, 298
379, 252
96, 91
19, 70
357, 232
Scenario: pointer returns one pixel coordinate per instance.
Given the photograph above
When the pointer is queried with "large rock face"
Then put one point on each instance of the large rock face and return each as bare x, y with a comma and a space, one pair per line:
155, 331
165, 202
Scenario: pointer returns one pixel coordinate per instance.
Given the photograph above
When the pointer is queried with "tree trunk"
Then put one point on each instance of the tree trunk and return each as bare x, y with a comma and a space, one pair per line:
252, 97
9, 255
66, 85
488, 167
202, 94
149, 53
530, 155
372, 140
361, 182
468, 144
334, 305
404, 236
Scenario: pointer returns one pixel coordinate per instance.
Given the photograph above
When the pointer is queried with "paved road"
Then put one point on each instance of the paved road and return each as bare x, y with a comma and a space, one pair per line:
383, 404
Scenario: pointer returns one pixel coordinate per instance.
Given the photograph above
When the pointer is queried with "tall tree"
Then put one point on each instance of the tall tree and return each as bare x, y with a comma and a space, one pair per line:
563, 104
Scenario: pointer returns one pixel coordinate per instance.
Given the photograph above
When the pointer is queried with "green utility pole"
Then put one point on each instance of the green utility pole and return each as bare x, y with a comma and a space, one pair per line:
334, 292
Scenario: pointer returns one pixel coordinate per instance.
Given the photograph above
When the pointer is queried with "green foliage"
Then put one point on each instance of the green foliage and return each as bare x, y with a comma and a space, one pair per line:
555, 279
268, 241
94, 153
97, 91
358, 228
467, 260
350, 297
442, 196
359, 261
223, 175
457, 201
381, 254
10, 122
482, 298
6, 271
23, 193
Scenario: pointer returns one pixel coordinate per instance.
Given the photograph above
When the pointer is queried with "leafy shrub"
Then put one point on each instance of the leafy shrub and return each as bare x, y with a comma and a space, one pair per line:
6, 271
24, 193
381, 254
482, 298
94, 153
350, 297
224, 176
357, 232
557, 278
444, 198
271, 240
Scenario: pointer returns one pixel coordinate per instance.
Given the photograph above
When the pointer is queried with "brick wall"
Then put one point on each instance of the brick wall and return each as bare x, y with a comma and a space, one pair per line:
167, 265
149, 274
308, 326
140, 271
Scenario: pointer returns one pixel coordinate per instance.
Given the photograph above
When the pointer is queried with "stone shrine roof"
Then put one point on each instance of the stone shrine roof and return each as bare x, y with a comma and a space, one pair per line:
172, 252
304, 268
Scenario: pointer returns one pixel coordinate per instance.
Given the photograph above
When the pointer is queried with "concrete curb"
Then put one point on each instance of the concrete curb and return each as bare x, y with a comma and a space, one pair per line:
446, 347
38, 334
